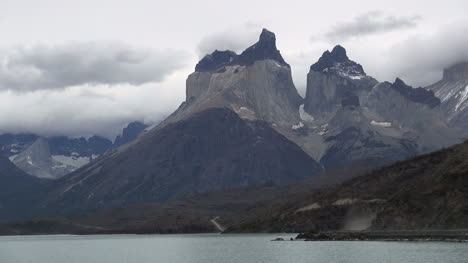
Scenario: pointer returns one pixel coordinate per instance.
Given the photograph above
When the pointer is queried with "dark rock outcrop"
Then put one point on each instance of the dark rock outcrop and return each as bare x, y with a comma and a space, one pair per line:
215, 60
418, 95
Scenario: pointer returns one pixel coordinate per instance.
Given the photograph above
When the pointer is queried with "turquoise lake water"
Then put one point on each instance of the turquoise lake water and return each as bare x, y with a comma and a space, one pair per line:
255, 248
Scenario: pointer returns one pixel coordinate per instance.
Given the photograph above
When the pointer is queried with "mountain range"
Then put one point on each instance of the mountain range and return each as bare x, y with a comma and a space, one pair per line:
243, 124
57, 156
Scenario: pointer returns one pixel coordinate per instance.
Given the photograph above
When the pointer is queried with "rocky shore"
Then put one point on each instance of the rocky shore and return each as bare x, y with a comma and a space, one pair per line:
407, 235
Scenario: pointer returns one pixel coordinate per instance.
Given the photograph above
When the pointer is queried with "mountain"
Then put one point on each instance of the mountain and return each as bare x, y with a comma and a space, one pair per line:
243, 124
129, 133
229, 133
452, 90
57, 156
423, 193
359, 118
212, 150
256, 84
37, 160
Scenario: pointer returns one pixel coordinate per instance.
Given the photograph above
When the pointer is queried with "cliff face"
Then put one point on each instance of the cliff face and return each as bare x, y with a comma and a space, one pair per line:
452, 91
261, 91
334, 79
256, 84
359, 118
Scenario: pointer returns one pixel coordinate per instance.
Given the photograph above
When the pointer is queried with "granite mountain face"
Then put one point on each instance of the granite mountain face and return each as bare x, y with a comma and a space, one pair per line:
359, 118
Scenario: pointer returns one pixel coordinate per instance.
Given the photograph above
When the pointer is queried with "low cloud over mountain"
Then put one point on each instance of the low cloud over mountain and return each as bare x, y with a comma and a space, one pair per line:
421, 58
234, 39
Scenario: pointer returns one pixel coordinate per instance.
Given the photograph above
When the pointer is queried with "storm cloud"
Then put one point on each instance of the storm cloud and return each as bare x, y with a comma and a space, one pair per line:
54, 67
370, 23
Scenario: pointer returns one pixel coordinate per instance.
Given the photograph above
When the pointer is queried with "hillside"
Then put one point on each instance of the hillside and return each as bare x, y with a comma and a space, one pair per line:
425, 192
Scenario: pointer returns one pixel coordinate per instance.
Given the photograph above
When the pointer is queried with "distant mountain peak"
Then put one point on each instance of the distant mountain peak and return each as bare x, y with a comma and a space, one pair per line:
129, 133
337, 62
456, 72
400, 84
267, 37
264, 49
339, 54
419, 95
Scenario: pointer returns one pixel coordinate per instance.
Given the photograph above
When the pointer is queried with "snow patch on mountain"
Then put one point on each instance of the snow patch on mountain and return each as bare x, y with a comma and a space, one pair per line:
73, 160
462, 96
304, 115
381, 124
347, 71
298, 126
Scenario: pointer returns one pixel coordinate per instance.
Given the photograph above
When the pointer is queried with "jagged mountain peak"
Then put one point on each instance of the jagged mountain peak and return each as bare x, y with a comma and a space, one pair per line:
264, 49
456, 72
267, 37
419, 95
337, 62
339, 54
400, 83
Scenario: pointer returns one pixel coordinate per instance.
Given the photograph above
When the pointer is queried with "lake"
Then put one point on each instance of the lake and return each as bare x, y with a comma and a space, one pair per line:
206, 248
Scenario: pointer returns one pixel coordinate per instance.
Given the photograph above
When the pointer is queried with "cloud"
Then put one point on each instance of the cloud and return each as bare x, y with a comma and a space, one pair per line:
420, 59
369, 23
89, 109
55, 67
234, 39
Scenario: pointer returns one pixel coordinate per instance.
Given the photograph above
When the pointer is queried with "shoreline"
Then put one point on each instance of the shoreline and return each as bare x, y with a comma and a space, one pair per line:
391, 235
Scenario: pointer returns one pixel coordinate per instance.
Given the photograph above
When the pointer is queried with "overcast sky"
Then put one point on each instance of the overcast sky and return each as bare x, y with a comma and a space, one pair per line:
91, 66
